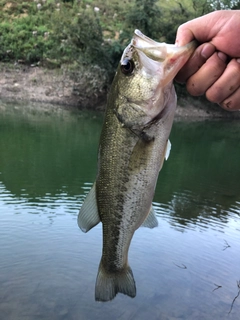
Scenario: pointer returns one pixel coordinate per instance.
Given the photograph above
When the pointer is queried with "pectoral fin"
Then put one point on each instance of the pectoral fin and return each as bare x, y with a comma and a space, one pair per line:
168, 149
166, 153
151, 220
88, 216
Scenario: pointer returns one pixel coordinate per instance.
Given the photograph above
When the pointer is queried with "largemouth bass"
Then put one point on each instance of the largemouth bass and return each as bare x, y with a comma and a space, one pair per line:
133, 144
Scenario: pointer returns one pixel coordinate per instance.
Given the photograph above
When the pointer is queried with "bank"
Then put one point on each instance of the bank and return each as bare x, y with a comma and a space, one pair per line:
83, 90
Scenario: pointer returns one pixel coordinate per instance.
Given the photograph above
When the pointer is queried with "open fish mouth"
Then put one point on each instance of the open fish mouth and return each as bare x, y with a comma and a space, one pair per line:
171, 56
154, 66
159, 51
153, 49
132, 149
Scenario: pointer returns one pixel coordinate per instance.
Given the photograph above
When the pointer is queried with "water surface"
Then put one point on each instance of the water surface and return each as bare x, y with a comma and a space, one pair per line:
187, 268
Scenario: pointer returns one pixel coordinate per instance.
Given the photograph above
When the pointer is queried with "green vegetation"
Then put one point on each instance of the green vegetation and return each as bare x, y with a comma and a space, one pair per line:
88, 33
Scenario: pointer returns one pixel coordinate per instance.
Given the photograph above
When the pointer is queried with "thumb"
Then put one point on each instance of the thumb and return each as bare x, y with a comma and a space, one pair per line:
204, 28
184, 35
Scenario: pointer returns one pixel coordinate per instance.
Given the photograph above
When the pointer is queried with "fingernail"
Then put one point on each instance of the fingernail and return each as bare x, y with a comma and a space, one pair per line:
207, 50
238, 60
228, 105
222, 56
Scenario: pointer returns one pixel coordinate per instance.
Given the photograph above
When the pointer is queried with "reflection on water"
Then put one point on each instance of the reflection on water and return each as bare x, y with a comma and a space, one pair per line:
187, 268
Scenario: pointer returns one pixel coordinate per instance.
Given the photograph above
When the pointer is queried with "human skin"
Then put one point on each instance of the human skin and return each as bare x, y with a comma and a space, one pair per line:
214, 68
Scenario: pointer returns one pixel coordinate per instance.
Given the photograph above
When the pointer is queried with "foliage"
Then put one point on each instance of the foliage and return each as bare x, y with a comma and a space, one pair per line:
223, 4
201, 7
90, 32
145, 15
79, 37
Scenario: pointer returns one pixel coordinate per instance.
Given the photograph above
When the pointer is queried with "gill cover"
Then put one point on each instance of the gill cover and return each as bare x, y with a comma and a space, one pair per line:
144, 79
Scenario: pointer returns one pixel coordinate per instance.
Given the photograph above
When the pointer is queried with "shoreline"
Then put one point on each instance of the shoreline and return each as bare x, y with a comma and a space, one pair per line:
56, 87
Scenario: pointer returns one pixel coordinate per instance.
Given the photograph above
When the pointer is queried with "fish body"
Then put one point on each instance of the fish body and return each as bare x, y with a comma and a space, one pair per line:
133, 145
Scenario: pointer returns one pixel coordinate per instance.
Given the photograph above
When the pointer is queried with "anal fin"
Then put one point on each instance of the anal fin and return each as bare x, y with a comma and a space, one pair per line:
88, 216
151, 219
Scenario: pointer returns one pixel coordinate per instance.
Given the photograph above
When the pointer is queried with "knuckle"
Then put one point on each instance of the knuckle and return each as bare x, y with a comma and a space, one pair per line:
235, 69
217, 69
193, 88
179, 29
216, 65
214, 94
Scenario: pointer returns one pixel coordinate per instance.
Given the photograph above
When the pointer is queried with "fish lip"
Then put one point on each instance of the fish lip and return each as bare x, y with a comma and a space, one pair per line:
160, 62
152, 49
159, 51
169, 57
138, 35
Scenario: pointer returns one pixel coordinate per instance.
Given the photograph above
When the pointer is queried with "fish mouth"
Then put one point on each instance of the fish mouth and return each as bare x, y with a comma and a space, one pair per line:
171, 57
154, 50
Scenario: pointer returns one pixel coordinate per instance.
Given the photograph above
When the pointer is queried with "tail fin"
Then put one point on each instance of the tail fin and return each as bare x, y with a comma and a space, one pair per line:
109, 284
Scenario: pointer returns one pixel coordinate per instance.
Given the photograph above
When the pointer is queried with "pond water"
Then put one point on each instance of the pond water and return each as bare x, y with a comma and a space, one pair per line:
187, 268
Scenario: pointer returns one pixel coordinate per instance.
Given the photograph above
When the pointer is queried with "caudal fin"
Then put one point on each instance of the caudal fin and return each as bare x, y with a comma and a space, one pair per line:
109, 284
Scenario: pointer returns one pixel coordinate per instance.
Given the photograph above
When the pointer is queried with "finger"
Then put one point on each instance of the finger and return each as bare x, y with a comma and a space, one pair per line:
201, 54
226, 85
195, 29
203, 28
204, 78
232, 103
184, 35
220, 27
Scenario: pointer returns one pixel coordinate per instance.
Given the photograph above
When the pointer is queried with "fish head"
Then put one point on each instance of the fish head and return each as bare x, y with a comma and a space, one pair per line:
144, 79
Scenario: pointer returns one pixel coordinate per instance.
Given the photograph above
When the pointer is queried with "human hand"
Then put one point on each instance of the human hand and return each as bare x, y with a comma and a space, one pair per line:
214, 68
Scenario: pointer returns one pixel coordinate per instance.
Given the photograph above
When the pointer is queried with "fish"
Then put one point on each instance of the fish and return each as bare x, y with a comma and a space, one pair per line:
133, 145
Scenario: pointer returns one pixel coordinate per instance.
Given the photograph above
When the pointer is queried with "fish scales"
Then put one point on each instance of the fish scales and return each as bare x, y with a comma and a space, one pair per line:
133, 143
131, 189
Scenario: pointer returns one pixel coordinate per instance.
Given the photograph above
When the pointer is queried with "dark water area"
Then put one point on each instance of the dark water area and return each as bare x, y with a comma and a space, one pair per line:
186, 268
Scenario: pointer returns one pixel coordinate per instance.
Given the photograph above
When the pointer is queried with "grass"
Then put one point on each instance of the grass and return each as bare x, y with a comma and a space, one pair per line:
87, 33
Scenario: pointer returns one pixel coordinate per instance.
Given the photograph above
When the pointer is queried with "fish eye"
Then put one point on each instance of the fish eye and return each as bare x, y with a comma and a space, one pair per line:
127, 66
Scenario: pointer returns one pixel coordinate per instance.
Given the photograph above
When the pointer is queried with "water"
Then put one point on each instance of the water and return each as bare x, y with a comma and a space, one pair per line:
187, 268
